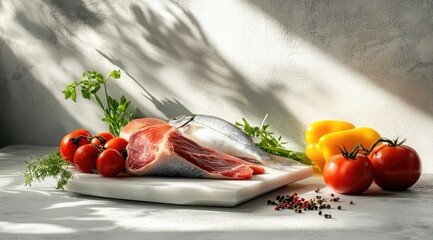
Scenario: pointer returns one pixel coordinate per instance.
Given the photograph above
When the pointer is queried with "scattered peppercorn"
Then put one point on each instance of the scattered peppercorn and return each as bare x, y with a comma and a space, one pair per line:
299, 204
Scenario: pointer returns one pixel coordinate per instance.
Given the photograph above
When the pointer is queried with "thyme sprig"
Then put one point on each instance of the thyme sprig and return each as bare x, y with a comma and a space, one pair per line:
48, 165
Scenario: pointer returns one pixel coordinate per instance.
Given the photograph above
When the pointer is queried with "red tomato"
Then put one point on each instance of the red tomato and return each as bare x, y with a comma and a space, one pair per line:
68, 147
85, 158
348, 176
106, 136
396, 167
110, 163
118, 144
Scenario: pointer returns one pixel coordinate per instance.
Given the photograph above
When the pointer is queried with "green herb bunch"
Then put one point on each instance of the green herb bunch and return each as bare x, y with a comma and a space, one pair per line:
268, 143
115, 114
48, 165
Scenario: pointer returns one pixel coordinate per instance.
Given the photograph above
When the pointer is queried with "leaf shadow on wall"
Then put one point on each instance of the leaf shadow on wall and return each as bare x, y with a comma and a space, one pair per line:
26, 105
182, 44
75, 11
25, 101
169, 107
386, 42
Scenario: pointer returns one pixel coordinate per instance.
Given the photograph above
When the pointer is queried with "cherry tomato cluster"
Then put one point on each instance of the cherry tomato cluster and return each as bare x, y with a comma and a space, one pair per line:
103, 153
391, 165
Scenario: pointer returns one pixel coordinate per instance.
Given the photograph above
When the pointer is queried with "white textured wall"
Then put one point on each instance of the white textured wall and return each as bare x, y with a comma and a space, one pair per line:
367, 62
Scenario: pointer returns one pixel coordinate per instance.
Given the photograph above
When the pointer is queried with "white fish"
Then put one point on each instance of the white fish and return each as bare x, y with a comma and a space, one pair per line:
220, 135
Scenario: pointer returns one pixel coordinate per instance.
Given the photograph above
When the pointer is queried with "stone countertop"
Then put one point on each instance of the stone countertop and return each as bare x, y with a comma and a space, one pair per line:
42, 212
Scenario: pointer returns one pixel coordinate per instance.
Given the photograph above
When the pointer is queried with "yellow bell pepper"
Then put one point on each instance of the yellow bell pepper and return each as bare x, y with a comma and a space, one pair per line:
324, 138
330, 143
313, 134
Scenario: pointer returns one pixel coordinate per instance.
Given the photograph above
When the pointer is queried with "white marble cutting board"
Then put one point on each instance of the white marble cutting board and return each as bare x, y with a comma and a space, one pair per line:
187, 191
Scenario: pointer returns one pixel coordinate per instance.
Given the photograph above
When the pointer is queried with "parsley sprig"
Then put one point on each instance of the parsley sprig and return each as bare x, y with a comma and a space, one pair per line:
268, 143
48, 165
115, 114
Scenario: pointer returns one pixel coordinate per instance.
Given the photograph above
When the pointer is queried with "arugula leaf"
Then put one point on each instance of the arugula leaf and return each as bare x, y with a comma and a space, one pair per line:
114, 111
115, 74
49, 165
270, 144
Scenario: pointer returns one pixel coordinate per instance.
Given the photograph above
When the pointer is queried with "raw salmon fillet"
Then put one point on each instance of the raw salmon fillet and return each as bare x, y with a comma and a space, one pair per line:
162, 151
137, 124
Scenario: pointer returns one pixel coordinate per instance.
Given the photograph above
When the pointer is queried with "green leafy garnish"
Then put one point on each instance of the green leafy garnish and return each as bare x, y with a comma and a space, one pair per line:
268, 143
49, 165
115, 114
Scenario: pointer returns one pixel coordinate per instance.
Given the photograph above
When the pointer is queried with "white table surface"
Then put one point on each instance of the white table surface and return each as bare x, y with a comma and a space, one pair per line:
42, 212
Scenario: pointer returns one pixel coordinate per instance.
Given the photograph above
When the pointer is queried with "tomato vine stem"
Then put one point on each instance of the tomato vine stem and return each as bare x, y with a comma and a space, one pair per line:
352, 154
391, 143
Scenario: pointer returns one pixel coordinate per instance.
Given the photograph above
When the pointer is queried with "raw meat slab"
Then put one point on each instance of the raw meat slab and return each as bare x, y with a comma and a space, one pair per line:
187, 191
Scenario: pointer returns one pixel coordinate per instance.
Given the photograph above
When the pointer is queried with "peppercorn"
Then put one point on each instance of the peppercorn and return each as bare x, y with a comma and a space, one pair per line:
278, 197
320, 212
317, 190
299, 210
269, 202
328, 206
339, 207
351, 202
